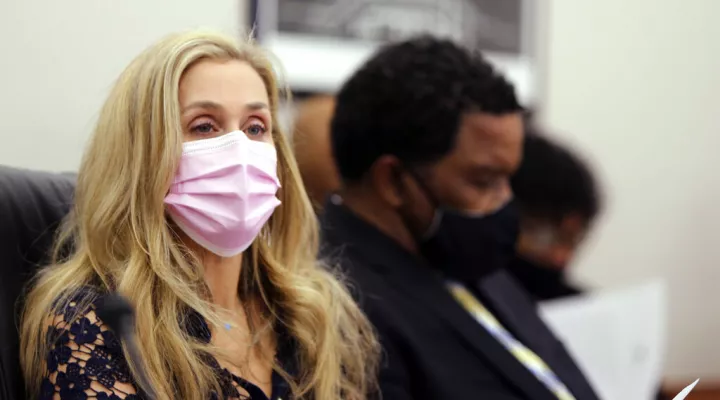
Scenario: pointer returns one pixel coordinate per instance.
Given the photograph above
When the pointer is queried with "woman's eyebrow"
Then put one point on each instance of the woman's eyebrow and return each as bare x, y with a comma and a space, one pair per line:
204, 104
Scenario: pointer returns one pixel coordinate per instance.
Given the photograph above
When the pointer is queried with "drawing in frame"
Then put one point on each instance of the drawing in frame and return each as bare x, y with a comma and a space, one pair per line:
321, 42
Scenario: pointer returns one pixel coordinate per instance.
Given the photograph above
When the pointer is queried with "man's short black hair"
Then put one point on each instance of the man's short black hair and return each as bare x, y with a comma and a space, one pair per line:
553, 183
408, 99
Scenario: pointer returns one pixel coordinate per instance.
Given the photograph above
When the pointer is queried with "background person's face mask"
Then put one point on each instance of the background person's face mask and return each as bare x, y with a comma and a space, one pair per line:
469, 246
224, 191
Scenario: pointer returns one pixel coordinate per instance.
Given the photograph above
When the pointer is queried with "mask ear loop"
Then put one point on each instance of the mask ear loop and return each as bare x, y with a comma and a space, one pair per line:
434, 203
434, 225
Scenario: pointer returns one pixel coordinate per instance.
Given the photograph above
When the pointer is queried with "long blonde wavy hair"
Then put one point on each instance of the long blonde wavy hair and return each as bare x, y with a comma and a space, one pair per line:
122, 241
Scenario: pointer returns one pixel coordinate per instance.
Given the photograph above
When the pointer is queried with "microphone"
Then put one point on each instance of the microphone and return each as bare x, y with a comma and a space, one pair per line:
118, 314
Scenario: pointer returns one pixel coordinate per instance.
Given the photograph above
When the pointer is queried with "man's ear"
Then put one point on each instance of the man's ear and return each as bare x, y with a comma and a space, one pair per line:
386, 180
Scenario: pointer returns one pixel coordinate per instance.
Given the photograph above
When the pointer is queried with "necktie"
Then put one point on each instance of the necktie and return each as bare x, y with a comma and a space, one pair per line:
523, 354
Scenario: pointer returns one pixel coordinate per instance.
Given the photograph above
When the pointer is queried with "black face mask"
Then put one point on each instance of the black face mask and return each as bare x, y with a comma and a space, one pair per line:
467, 246
543, 282
536, 272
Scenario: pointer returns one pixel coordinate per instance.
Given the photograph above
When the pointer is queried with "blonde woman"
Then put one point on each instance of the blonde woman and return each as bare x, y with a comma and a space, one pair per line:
189, 204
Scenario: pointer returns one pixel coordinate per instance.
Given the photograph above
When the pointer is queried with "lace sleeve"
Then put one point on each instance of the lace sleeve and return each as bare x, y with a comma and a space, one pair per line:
85, 360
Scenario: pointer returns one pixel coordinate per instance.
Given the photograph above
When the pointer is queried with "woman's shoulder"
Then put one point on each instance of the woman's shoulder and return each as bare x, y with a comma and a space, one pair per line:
77, 301
74, 309
84, 355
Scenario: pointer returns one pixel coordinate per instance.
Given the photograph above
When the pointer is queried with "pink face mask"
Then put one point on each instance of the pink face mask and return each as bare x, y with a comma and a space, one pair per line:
224, 191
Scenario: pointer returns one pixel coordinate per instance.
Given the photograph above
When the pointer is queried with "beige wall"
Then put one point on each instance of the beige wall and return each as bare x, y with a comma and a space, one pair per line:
59, 58
636, 84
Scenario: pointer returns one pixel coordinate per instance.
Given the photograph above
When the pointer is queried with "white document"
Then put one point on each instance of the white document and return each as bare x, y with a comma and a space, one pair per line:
683, 393
617, 337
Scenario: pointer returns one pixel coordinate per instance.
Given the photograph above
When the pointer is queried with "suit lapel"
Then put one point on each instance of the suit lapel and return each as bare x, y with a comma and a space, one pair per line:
512, 306
433, 296
421, 284
515, 311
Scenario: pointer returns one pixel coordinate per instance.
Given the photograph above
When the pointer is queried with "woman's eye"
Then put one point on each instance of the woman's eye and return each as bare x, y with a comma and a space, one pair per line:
255, 130
204, 128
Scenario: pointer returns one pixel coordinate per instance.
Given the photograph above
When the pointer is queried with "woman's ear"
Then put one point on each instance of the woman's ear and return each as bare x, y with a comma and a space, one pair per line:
386, 179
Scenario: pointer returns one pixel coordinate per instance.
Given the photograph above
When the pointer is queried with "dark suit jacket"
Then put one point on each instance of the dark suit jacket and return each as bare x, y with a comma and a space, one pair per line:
433, 348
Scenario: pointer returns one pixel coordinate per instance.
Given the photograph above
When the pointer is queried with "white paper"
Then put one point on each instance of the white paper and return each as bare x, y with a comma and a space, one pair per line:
617, 337
683, 393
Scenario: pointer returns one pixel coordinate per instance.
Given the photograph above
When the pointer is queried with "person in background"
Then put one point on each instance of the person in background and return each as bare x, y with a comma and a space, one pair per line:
190, 205
558, 200
426, 136
311, 144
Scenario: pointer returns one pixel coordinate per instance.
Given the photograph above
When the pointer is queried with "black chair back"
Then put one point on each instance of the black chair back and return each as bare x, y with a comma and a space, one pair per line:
32, 206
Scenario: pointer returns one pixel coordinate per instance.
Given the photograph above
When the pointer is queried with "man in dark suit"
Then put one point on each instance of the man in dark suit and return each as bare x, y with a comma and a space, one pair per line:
426, 136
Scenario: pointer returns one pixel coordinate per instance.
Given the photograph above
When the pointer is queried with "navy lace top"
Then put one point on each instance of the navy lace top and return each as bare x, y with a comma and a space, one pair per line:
86, 361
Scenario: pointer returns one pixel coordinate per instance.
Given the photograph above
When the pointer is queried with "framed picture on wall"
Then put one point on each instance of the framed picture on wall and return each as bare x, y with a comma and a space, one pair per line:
321, 42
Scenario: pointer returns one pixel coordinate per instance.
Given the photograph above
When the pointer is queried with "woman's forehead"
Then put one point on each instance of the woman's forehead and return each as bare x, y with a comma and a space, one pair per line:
229, 83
